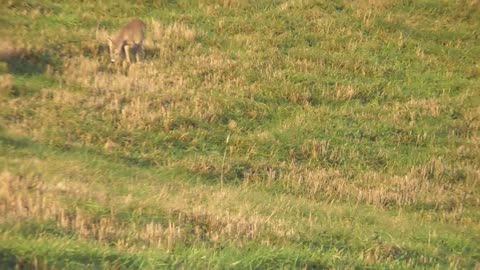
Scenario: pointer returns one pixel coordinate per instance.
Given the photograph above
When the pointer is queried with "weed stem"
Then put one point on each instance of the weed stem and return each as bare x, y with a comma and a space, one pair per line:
224, 158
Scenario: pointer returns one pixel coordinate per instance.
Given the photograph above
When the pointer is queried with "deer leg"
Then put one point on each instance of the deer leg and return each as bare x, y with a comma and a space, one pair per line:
127, 52
138, 52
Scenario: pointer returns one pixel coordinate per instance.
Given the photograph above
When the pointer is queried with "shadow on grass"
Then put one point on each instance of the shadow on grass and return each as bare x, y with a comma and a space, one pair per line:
23, 61
13, 145
234, 176
18, 143
31, 68
21, 143
150, 52
20, 257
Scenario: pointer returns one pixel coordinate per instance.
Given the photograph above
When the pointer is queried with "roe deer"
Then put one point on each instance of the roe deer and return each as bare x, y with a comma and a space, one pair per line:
130, 36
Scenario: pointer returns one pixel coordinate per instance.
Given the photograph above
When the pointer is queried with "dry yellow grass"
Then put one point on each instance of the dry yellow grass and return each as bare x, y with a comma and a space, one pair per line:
299, 134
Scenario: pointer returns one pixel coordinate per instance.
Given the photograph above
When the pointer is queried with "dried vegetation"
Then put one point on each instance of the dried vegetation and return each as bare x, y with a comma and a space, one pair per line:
352, 136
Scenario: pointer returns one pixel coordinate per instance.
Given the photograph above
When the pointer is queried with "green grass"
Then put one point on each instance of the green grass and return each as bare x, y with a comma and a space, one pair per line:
352, 126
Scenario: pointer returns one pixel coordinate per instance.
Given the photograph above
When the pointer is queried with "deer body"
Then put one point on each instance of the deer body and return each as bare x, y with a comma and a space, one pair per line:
129, 38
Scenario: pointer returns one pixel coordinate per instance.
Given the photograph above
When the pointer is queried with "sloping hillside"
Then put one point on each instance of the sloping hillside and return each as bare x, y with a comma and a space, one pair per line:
254, 134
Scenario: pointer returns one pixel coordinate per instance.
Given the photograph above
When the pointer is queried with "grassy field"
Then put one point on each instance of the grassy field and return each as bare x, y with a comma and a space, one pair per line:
254, 135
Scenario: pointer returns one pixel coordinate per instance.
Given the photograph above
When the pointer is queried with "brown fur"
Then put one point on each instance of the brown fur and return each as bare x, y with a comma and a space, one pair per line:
129, 38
